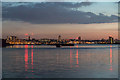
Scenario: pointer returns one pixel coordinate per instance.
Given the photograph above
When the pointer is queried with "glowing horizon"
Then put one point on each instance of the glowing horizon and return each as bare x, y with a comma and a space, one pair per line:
67, 31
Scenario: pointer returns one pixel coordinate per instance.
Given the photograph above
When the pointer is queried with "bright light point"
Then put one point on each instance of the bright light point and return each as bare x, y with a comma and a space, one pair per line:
76, 38
110, 35
26, 34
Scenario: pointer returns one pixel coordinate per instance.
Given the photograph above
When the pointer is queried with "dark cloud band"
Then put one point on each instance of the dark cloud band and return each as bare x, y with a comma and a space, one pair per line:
53, 13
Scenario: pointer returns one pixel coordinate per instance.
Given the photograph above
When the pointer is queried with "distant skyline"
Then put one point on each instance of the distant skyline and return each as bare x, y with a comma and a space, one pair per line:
70, 20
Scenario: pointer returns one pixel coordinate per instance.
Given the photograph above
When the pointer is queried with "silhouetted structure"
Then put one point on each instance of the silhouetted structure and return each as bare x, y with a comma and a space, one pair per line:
13, 40
111, 40
59, 38
4, 44
29, 38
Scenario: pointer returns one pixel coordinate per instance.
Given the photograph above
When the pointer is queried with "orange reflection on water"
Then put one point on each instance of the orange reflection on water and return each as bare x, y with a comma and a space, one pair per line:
111, 58
26, 57
77, 62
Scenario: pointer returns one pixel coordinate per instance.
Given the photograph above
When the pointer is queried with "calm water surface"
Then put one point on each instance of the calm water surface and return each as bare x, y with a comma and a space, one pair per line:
80, 61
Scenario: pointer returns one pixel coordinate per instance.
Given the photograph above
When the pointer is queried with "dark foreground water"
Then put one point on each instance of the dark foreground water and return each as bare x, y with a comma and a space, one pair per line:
80, 61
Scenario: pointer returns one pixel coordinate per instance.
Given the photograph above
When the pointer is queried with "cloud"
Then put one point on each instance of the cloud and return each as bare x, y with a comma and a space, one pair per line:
53, 13
74, 5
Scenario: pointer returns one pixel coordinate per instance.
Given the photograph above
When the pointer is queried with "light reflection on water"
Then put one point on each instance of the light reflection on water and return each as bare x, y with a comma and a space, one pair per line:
77, 62
26, 57
111, 57
76, 46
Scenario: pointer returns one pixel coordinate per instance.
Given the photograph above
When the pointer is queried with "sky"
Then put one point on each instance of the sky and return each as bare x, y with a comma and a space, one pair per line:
90, 20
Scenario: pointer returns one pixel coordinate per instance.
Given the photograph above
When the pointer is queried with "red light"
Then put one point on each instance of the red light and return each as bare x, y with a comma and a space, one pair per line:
26, 34
110, 35
26, 57
32, 59
31, 46
77, 59
26, 46
76, 38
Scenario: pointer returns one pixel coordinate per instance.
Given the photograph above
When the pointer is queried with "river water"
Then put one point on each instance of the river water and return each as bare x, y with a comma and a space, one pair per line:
79, 61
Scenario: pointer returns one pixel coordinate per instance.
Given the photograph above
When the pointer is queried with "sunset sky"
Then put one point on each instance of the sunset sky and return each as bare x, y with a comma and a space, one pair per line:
90, 20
